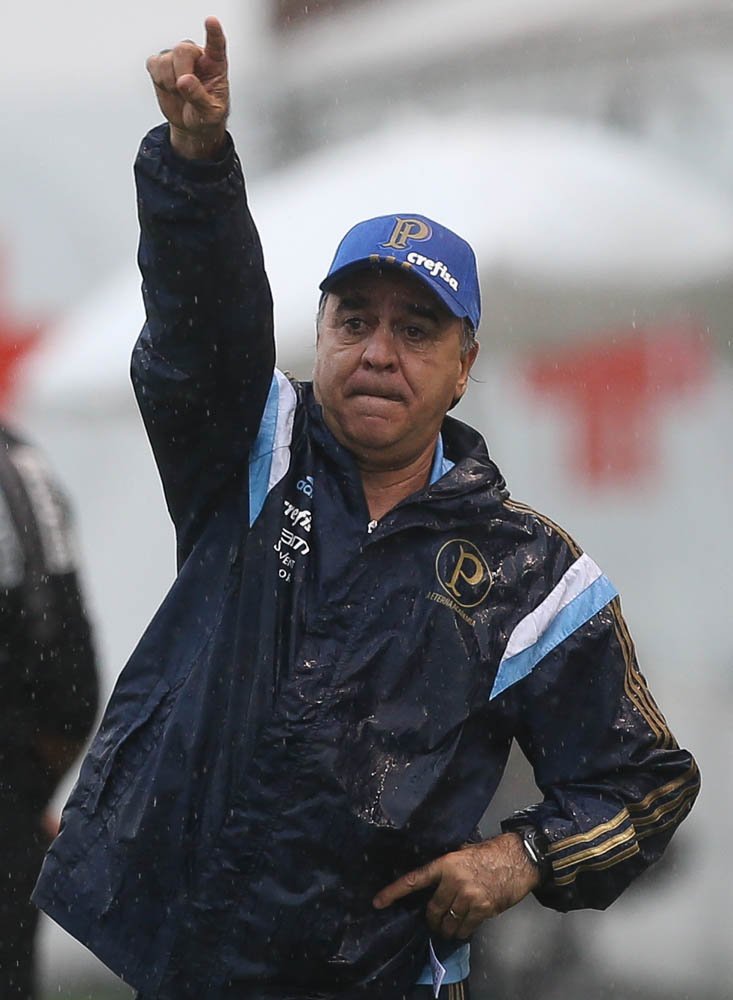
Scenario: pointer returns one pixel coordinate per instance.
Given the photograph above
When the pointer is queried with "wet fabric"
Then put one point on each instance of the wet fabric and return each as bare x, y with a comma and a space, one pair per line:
312, 712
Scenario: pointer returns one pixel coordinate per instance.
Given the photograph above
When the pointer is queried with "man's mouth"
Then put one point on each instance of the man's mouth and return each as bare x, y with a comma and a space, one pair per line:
378, 392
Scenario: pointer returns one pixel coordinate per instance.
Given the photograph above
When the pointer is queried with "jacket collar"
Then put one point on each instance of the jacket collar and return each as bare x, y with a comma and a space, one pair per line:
473, 481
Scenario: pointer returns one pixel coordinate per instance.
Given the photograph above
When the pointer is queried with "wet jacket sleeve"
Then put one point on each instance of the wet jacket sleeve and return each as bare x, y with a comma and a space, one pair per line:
203, 364
615, 784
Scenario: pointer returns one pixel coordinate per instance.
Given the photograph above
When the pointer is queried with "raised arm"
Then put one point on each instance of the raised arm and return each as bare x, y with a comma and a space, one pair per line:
203, 364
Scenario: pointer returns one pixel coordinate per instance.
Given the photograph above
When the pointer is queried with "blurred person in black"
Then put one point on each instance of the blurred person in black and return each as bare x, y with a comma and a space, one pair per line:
48, 689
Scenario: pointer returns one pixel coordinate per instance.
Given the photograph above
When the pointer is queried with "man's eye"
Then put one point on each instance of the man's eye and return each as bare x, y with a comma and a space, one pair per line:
354, 323
415, 333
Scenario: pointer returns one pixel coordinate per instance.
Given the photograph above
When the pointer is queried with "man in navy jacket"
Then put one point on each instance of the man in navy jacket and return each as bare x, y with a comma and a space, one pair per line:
283, 797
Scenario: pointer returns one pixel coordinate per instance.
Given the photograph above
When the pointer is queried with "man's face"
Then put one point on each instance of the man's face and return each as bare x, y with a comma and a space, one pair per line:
388, 366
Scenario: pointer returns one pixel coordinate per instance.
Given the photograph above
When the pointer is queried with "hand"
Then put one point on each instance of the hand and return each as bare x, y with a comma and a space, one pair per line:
474, 883
192, 87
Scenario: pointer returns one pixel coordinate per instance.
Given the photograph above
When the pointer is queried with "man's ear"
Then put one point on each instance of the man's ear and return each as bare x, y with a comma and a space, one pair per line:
467, 361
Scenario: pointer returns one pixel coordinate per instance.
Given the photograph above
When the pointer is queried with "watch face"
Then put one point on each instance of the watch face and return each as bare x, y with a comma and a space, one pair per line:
529, 839
540, 842
536, 844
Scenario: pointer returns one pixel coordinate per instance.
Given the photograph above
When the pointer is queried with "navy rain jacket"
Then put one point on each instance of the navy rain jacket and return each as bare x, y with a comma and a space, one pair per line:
316, 709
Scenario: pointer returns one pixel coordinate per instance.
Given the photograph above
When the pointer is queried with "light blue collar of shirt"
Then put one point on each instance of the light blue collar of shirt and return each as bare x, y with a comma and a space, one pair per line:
441, 464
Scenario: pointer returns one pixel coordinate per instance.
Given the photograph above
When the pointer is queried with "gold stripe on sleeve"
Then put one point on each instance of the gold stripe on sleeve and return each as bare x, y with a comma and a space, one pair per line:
681, 804
594, 852
523, 508
642, 806
630, 851
585, 838
635, 685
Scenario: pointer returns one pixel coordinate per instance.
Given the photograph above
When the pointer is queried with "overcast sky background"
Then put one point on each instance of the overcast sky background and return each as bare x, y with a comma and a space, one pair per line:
81, 102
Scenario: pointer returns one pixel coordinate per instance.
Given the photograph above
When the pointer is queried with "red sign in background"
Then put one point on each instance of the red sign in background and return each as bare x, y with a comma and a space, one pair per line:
17, 338
616, 389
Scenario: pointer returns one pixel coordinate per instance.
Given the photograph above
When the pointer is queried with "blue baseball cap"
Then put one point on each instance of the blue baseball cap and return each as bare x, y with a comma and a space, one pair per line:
436, 255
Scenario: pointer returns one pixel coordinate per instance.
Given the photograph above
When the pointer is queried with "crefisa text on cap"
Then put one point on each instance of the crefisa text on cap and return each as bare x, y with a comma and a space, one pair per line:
436, 268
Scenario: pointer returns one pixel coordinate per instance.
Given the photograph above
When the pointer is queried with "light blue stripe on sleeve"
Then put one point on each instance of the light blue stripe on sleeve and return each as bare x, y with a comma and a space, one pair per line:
261, 455
575, 614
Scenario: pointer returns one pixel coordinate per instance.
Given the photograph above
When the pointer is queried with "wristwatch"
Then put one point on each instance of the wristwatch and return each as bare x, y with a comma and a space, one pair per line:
537, 846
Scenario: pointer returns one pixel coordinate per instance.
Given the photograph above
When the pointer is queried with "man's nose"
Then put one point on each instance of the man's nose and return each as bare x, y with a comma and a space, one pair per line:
380, 350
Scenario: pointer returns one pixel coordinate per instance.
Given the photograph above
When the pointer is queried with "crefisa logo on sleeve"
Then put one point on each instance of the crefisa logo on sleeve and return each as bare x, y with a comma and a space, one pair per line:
463, 576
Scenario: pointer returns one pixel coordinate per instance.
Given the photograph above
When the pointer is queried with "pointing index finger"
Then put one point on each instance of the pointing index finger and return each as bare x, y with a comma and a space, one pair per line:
413, 881
215, 46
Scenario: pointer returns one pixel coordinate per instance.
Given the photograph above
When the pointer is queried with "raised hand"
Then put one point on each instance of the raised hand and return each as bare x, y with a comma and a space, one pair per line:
479, 881
192, 87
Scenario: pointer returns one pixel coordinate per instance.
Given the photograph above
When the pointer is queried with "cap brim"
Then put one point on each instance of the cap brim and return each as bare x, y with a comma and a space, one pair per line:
374, 262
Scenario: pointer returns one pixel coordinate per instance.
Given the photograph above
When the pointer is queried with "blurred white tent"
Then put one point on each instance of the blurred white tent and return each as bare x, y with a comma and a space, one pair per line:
553, 202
